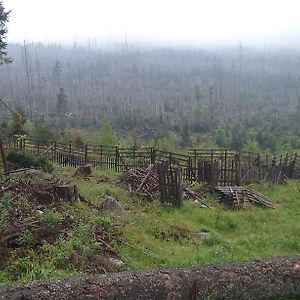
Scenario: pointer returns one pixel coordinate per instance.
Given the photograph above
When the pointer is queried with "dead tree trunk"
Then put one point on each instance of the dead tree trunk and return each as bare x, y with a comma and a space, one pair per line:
264, 279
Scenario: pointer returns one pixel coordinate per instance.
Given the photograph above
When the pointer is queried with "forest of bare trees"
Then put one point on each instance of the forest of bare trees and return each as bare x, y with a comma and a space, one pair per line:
177, 87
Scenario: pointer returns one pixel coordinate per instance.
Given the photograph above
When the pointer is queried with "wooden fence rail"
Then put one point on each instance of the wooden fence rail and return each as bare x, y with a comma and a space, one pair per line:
215, 166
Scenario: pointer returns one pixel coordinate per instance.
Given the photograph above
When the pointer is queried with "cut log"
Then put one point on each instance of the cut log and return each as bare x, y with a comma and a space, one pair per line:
277, 278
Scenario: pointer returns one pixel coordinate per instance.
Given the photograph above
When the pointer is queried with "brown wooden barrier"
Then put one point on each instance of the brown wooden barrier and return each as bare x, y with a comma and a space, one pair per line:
170, 186
214, 166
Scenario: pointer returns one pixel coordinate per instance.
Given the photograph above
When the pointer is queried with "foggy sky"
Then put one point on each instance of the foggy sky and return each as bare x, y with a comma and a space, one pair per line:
182, 22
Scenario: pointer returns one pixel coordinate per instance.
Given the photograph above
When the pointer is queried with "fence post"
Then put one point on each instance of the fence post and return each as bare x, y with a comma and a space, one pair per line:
70, 148
153, 156
170, 158
54, 151
38, 147
133, 156
286, 165
117, 159
238, 168
101, 156
249, 167
225, 168
85, 153
293, 166
259, 166
190, 170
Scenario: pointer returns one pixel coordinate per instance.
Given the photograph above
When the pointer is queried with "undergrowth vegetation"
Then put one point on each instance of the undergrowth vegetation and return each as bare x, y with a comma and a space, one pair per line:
22, 159
151, 235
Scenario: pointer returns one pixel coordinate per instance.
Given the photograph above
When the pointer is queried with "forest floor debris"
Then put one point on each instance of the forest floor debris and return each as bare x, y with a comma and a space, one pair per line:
142, 180
41, 192
145, 182
35, 213
197, 195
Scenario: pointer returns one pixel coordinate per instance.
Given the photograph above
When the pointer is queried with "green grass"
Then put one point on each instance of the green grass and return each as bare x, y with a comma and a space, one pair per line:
154, 231
162, 236
233, 235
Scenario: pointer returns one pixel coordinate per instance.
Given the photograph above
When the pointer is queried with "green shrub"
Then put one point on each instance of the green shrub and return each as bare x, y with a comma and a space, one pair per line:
25, 160
27, 239
51, 218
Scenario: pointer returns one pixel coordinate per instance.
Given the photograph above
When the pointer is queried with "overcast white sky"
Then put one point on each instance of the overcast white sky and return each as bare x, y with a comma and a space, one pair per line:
178, 21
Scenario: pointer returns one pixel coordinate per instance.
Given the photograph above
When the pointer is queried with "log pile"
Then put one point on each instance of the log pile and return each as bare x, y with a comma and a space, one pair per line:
239, 196
142, 180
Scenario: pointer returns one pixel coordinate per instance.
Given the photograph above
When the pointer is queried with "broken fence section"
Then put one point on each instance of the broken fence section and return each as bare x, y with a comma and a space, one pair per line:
170, 184
213, 166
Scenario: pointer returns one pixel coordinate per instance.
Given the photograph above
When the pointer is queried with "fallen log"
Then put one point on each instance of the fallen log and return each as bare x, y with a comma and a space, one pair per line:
277, 278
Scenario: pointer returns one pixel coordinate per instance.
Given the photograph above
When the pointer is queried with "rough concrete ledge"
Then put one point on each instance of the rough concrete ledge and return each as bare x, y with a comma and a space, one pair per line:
277, 278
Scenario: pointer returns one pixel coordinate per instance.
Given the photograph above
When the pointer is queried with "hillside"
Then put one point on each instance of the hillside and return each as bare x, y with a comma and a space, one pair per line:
147, 235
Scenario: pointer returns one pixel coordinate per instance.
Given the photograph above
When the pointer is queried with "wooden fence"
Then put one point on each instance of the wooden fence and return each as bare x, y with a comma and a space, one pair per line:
216, 166
170, 186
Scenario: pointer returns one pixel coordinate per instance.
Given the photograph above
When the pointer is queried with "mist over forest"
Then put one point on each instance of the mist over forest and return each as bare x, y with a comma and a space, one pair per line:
251, 91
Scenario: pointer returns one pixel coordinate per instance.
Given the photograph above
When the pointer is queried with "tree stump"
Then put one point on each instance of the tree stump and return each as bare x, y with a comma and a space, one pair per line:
83, 171
66, 192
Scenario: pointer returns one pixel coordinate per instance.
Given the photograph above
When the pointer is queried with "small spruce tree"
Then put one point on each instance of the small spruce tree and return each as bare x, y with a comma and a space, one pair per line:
62, 102
4, 16
107, 136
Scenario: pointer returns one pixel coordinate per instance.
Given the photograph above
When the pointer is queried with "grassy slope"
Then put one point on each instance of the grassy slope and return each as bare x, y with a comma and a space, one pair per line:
167, 235
160, 236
